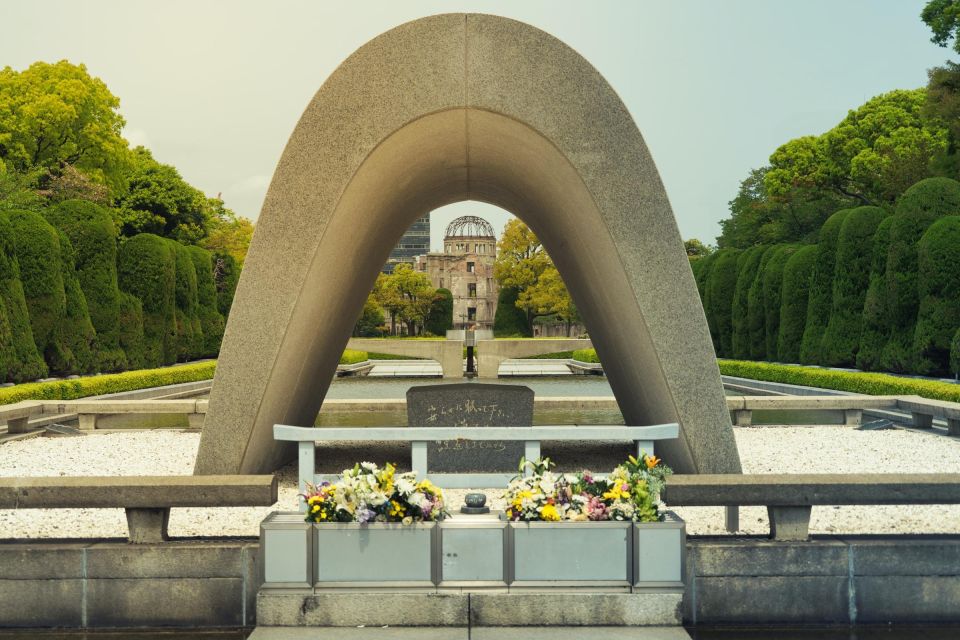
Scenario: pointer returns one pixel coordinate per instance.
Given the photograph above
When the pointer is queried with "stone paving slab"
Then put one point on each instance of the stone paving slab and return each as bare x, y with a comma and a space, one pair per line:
462, 633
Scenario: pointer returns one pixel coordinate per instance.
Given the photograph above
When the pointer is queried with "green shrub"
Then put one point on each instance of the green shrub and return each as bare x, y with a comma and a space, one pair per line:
955, 354
876, 325
797, 273
930, 198
77, 330
756, 308
19, 358
189, 333
748, 265
855, 382
391, 356
772, 297
557, 355
146, 268
509, 321
585, 355
820, 300
110, 383
131, 330
211, 320
701, 271
351, 356
917, 208
93, 235
45, 258
938, 318
440, 316
226, 274
841, 339
721, 286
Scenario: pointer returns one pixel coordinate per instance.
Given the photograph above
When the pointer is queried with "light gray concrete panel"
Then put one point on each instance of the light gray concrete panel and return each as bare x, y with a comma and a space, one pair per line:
288, 554
907, 599
773, 600
164, 602
41, 560
569, 552
41, 603
439, 110
574, 609
472, 554
658, 555
370, 609
372, 554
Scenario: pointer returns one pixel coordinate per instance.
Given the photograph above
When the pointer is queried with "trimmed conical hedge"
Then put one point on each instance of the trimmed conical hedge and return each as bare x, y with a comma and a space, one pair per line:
938, 318
841, 339
147, 269
189, 332
820, 301
226, 274
130, 330
19, 359
440, 317
917, 208
45, 258
747, 268
772, 276
211, 320
757, 308
795, 291
508, 320
94, 238
876, 322
720, 289
955, 354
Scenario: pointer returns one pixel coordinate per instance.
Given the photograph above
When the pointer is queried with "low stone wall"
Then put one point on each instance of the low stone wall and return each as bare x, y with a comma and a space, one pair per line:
213, 583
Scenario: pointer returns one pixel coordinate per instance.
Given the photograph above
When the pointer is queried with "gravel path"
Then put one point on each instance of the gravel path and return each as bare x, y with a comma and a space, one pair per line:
765, 449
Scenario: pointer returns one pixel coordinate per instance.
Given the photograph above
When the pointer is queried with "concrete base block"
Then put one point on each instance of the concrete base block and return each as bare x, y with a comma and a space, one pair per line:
196, 420
88, 421
147, 525
346, 609
575, 609
853, 417
789, 523
922, 420
953, 427
17, 425
743, 417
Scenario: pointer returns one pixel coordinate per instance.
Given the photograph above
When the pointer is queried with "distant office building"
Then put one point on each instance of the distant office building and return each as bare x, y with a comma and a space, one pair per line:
465, 268
415, 242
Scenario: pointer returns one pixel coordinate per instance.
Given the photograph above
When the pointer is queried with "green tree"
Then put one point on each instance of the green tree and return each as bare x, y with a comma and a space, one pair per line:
131, 331
509, 321
158, 200
748, 266
870, 157
943, 18
548, 296
521, 260
772, 285
370, 320
820, 300
955, 355
227, 232
408, 295
696, 249
91, 230
876, 322
761, 290
19, 359
720, 288
916, 210
226, 276
795, 293
147, 269
938, 318
56, 115
440, 317
841, 338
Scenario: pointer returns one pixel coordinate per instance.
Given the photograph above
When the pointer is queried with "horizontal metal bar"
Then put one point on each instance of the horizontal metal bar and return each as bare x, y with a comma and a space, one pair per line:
432, 434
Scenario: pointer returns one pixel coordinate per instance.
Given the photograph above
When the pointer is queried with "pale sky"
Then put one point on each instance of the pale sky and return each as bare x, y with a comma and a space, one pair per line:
215, 88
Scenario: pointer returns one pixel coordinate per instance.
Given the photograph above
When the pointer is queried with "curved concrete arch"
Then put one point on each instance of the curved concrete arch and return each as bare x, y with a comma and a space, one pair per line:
449, 108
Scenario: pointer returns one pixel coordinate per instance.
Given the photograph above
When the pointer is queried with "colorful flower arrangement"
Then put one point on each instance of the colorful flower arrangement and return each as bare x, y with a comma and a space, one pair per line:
631, 492
366, 493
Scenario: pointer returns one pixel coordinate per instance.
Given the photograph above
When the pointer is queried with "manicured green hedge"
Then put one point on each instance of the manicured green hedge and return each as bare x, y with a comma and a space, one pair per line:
955, 354
772, 290
351, 356
110, 383
756, 308
841, 339
820, 299
931, 198
211, 320
226, 273
440, 317
585, 355
793, 310
939, 314
146, 268
876, 321
189, 333
390, 356
94, 238
77, 330
866, 383
720, 288
748, 265
19, 358
131, 330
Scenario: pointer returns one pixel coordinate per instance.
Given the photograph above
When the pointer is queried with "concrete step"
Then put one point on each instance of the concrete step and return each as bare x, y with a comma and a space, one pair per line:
464, 633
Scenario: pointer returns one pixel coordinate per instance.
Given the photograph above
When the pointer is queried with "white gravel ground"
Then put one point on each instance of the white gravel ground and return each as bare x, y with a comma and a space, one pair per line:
766, 449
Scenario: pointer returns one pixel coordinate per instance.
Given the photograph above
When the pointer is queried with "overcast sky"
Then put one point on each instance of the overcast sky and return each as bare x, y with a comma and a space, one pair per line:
215, 88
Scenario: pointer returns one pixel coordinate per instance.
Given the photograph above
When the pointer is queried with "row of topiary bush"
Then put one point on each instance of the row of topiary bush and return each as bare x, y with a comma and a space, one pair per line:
877, 384
879, 291
76, 299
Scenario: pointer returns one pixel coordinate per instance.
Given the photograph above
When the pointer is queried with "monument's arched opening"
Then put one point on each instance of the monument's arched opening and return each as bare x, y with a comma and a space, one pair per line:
440, 110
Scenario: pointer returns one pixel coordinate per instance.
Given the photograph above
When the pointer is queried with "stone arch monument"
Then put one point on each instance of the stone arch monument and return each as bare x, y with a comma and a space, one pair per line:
464, 107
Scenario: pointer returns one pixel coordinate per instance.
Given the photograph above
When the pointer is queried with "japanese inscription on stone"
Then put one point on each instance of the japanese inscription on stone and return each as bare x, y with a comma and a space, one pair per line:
471, 405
